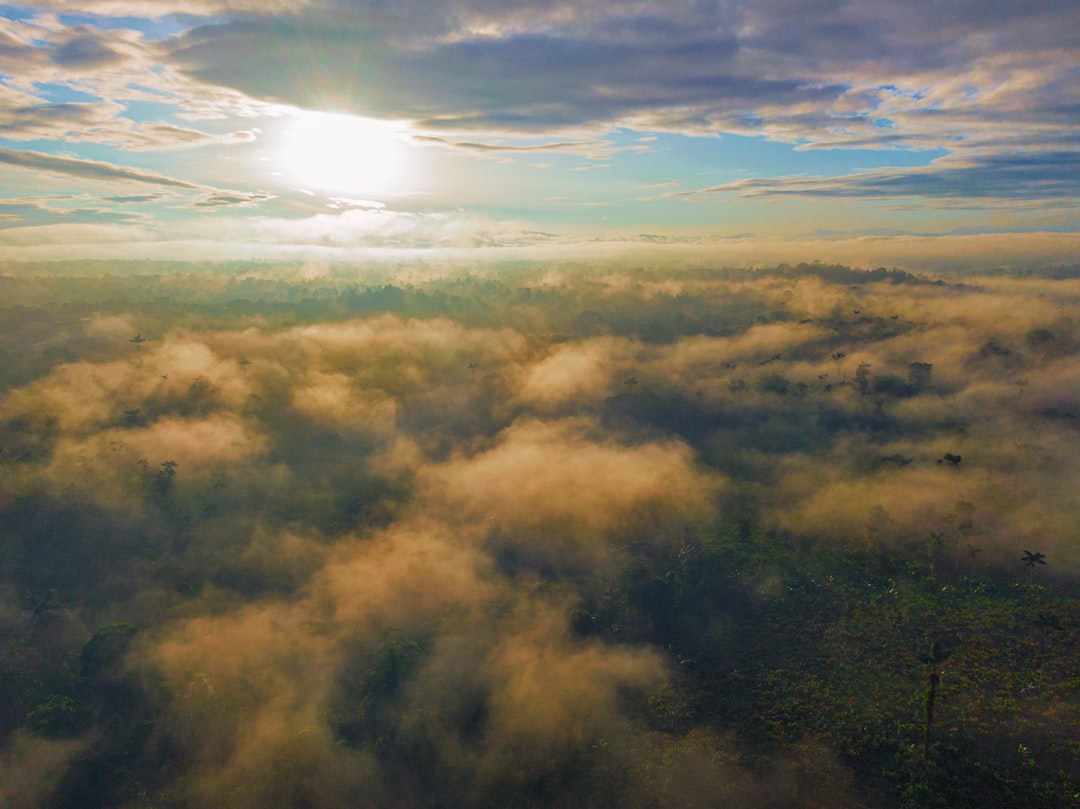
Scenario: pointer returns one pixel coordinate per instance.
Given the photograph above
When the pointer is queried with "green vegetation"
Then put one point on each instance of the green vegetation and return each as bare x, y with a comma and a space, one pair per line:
537, 537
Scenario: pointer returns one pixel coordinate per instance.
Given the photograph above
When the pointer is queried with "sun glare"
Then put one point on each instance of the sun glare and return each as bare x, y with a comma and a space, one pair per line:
343, 153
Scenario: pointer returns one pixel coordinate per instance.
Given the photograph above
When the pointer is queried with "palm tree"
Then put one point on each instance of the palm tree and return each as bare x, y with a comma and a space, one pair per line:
243, 362
630, 381
1031, 559
472, 367
838, 357
138, 340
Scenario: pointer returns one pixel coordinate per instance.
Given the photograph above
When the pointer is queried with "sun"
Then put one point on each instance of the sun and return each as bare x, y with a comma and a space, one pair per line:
343, 154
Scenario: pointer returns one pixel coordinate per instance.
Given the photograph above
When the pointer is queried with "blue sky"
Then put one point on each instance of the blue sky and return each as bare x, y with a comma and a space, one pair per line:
215, 127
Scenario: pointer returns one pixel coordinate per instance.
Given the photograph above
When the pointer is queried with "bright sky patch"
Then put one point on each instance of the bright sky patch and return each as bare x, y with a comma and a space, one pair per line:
569, 121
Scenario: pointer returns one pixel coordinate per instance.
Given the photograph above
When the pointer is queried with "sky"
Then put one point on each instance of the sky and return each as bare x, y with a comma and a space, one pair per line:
872, 131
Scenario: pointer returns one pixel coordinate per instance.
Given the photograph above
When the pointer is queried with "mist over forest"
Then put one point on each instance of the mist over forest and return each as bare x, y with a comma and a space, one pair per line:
537, 535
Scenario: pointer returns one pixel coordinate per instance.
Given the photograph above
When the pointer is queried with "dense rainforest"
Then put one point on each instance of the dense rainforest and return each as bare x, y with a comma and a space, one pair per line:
523, 535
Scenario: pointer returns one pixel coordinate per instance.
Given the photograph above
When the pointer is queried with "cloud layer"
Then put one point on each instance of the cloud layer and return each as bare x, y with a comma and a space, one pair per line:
327, 535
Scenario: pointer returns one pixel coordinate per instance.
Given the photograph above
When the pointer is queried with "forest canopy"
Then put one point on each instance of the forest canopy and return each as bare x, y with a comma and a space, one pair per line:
532, 535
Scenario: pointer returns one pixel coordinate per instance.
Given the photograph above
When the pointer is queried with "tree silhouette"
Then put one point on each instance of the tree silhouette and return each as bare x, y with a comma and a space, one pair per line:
937, 544
630, 381
138, 340
919, 374
244, 362
472, 368
878, 522
862, 378
933, 658
165, 478
1031, 559
896, 458
973, 555
838, 357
